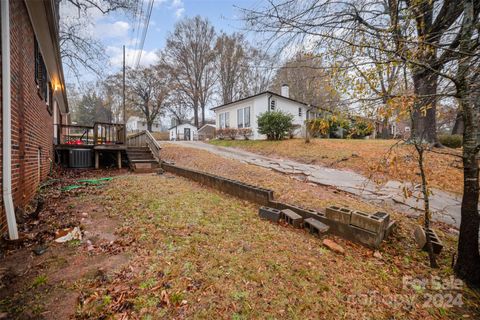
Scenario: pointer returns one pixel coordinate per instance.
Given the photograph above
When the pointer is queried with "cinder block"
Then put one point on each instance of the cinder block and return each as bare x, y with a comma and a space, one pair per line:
269, 214
335, 213
292, 218
437, 244
315, 226
392, 225
376, 222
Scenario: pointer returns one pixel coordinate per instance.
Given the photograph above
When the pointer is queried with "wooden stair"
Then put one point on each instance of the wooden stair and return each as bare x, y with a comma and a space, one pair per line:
142, 160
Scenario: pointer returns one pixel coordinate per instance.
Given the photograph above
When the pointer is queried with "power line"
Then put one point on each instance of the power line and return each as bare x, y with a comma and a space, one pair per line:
145, 30
137, 25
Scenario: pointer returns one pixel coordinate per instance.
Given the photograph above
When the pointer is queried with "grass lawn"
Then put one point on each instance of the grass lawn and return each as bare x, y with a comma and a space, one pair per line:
164, 247
197, 253
374, 158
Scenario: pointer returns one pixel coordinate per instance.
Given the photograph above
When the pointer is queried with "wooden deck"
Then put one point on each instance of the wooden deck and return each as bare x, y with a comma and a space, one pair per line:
101, 137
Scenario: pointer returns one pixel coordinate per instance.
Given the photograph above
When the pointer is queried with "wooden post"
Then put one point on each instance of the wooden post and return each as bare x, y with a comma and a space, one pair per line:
119, 159
97, 160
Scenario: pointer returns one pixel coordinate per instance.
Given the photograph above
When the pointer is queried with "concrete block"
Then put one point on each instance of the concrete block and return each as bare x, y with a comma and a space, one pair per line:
292, 218
437, 244
421, 239
376, 222
335, 213
315, 226
271, 214
391, 227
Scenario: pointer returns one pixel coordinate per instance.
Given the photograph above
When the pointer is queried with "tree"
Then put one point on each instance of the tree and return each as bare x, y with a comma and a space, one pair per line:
468, 95
147, 91
274, 124
308, 82
189, 58
231, 66
78, 49
433, 39
259, 73
423, 34
91, 109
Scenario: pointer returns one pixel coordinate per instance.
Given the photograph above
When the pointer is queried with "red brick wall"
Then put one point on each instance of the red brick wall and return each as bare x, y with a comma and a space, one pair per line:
32, 125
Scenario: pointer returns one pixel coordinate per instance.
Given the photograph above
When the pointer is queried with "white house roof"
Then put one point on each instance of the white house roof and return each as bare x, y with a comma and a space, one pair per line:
207, 125
262, 93
182, 124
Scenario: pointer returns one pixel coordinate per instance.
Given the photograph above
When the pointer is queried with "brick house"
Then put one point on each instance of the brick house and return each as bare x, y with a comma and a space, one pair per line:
32, 73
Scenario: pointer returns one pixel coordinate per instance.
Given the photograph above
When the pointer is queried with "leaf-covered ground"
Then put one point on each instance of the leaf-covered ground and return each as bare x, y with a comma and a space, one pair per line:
379, 159
164, 247
200, 254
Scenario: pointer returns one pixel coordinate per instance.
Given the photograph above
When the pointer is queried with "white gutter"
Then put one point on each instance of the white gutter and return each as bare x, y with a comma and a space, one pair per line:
6, 124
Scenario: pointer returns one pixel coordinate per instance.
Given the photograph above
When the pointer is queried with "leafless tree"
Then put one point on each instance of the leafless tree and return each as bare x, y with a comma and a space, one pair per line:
80, 50
259, 73
147, 92
189, 58
424, 34
307, 82
434, 40
231, 65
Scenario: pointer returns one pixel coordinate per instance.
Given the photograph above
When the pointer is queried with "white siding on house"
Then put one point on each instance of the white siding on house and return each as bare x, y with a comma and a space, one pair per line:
178, 132
258, 105
136, 124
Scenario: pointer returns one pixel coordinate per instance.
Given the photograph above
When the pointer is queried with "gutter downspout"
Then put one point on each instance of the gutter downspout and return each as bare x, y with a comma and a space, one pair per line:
6, 124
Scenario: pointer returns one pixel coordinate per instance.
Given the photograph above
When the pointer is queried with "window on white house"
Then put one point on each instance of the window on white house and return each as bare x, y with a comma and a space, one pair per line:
300, 112
243, 117
240, 118
224, 119
273, 104
246, 117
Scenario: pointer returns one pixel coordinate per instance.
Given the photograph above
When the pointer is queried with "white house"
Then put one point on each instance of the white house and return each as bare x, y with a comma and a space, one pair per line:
137, 124
184, 131
243, 113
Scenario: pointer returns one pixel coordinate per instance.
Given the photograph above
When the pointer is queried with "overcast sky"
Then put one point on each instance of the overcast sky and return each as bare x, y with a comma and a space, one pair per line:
116, 30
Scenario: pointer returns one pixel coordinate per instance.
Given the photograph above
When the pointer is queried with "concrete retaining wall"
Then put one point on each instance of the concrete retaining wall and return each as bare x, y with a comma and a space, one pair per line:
235, 188
265, 197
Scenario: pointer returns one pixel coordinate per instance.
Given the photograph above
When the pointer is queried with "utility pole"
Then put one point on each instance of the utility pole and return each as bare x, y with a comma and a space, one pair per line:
123, 98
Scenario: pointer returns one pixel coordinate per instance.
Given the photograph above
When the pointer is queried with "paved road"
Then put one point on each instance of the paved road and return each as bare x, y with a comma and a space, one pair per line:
444, 206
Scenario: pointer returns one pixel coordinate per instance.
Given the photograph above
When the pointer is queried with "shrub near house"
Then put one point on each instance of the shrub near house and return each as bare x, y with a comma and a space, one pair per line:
275, 124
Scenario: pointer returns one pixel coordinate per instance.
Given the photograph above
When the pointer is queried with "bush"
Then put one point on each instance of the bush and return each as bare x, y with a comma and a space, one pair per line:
451, 140
231, 133
245, 133
327, 126
360, 129
220, 134
275, 124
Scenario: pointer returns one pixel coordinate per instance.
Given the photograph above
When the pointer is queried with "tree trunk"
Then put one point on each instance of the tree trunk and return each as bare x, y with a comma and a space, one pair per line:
149, 125
385, 133
420, 149
468, 262
467, 265
195, 115
458, 126
203, 115
424, 114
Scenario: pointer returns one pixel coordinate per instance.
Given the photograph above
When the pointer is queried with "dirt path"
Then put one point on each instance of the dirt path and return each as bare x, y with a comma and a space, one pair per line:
445, 206
45, 285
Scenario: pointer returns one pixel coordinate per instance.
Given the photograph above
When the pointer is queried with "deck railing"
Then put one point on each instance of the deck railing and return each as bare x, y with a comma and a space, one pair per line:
108, 133
145, 139
101, 133
74, 134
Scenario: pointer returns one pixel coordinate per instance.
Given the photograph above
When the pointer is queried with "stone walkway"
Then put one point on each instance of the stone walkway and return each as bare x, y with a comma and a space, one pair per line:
445, 206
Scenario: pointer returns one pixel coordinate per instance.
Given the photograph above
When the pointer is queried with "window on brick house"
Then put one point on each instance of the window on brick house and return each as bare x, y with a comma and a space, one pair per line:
41, 77
50, 98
